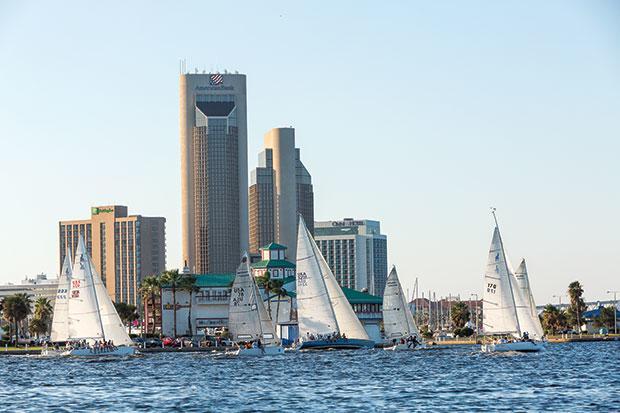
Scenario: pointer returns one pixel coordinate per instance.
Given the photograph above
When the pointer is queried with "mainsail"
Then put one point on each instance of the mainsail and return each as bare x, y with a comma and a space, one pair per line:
526, 307
397, 317
60, 329
91, 313
321, 305
248, 318
83, 317
498, 305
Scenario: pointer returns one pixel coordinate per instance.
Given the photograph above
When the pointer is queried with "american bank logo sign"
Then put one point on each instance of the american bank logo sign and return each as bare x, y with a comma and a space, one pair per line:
216, 82
216, 79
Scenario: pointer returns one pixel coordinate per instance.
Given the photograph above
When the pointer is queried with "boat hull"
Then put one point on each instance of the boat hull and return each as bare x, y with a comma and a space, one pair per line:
257, 352
121, 351
404, 347
52, 352
344, 344
520, 346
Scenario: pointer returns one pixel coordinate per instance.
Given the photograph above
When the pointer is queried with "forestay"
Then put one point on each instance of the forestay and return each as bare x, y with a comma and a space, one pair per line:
499, 313
60, 328
397, 317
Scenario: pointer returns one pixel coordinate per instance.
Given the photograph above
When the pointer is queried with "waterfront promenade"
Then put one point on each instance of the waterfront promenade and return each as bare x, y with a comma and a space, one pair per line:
565, 338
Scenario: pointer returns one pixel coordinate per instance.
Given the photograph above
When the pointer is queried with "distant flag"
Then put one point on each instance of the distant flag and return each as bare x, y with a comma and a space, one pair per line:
216, 79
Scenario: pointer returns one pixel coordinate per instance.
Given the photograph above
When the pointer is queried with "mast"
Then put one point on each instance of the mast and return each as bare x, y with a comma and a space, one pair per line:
257, 297
512, 294
92, 282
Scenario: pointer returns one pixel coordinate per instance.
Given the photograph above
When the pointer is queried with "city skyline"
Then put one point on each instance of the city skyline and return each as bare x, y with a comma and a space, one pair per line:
424, 137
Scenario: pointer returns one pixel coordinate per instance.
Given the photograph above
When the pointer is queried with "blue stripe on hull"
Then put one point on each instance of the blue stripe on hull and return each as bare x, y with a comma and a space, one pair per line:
352, 343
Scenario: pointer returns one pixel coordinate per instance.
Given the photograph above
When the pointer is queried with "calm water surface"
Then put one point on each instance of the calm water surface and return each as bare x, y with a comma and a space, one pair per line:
567, 377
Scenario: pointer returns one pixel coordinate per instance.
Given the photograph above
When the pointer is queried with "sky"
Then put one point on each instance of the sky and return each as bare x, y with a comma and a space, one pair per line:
421, 115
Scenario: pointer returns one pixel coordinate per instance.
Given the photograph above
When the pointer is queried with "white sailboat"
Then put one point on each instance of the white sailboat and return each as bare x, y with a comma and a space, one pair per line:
398, 323
91, 316
60, 328
503, 306
326, 319
248, 319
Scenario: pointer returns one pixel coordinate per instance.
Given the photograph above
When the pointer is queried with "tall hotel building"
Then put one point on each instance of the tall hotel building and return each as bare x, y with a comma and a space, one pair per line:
124, 248
356, 252
280, 189
214, 181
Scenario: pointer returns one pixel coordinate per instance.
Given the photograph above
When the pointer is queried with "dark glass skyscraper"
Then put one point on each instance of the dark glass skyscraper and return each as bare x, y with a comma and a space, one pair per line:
213, 128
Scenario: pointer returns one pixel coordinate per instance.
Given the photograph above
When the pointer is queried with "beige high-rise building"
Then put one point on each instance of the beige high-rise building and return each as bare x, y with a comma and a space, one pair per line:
124, 248
214, 181
281, 188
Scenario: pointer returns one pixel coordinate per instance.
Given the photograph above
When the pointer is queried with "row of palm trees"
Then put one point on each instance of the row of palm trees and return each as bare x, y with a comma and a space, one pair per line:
17, 308
150, 291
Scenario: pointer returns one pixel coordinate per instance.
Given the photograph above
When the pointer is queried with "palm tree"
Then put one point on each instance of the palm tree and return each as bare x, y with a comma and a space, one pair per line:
553, 319
16, 308
126, 312
43, 311
173, 280
267, 284
150, 289
188, 284
460, 314
577, 304
280, 292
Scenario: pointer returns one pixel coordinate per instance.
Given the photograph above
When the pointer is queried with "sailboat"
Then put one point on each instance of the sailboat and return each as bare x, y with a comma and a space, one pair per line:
60, 329
90, 313
326, 319
508, 307
248, 319
398, 323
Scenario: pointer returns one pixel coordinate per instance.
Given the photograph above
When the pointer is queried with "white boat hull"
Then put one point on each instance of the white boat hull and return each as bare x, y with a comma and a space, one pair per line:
257, 352
521, 346
121, 351
52, 352
404, 347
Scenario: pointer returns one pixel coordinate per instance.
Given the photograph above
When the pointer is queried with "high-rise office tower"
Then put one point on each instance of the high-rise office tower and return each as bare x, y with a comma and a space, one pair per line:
356, 252
280, 189
124, 248
213, 171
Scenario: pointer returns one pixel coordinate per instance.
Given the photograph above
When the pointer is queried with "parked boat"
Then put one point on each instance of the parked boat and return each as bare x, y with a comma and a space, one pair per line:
326, 319
401, 332
92, 320
509, 312
248, 319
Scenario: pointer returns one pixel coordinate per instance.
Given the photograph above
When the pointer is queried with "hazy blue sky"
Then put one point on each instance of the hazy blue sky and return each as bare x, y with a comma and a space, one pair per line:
418, 114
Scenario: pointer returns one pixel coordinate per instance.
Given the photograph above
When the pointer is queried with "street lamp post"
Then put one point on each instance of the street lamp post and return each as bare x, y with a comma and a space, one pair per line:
615, 311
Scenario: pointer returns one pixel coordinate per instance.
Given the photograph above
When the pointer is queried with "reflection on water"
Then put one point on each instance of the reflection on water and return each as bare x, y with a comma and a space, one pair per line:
567, 377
